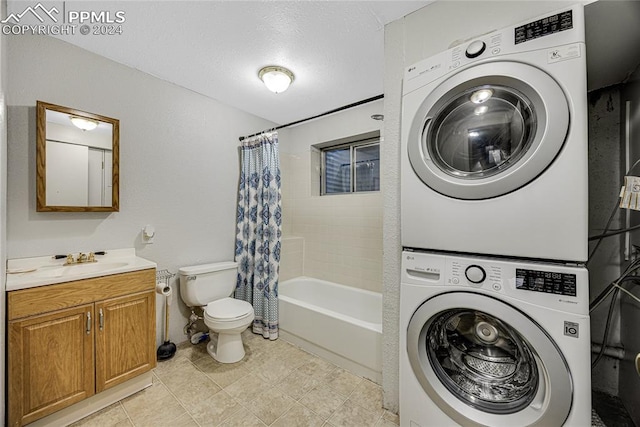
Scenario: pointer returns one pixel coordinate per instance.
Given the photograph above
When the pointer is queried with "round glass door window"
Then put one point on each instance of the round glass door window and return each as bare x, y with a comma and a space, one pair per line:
488, 130
482, 361
481, 132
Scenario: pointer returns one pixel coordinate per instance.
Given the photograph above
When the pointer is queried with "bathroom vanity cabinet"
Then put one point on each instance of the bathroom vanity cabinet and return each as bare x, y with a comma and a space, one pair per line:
69, 341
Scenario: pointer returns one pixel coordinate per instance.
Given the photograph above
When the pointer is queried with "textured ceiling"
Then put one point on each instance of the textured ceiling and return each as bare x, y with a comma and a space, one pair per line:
334, 48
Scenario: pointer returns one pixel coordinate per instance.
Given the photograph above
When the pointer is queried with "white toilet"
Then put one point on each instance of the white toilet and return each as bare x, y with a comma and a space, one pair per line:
209, 286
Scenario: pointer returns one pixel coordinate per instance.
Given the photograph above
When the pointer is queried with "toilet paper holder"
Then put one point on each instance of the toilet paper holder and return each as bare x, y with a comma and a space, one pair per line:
167, 349
163, 277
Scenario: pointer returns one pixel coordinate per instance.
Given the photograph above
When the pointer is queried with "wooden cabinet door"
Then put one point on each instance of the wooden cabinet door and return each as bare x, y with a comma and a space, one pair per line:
50, 362
125, 338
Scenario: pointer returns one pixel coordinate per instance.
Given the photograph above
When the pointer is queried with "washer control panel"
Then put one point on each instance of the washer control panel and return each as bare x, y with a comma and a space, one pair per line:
474, 273
526, 280
546, 281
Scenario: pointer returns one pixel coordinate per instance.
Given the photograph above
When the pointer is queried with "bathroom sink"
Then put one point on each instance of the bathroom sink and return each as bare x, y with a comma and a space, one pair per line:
25, 273
76, 269
94, 267
46, 272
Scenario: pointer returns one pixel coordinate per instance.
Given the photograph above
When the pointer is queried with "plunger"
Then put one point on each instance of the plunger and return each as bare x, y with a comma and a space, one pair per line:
166, 349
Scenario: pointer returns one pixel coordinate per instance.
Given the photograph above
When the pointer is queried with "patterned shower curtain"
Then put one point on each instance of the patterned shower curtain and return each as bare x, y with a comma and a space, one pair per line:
259, 230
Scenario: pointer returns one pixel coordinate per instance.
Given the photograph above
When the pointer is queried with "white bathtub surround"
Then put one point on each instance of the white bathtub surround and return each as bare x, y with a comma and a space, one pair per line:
292, 260
259, 230
339, 323
342, 232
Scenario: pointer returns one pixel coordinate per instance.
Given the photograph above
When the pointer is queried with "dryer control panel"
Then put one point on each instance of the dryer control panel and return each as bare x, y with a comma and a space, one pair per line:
547, 34
541, 283
543, 27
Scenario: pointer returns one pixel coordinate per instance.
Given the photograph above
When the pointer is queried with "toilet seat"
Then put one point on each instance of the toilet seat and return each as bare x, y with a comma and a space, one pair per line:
228, 318
227, 310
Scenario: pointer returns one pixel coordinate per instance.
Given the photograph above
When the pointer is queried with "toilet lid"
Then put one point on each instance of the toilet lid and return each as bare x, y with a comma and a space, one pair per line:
228, 309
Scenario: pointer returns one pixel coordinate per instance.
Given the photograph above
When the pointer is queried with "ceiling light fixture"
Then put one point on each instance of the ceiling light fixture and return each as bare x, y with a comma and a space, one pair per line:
83, 124
276, 79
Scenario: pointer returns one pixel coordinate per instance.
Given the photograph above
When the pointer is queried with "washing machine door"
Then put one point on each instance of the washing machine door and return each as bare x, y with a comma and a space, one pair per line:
485, 363
488, 130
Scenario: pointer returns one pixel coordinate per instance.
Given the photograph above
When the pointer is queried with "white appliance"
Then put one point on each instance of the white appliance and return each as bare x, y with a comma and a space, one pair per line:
494, 144
493, 342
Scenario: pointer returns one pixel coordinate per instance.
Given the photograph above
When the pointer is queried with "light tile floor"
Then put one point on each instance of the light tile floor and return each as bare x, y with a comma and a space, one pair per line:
276, 384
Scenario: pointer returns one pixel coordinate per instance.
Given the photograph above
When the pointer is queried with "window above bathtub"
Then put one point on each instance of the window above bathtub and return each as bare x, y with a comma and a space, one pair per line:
351, 166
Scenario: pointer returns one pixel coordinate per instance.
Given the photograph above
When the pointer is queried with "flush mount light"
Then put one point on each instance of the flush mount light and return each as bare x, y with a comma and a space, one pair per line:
480, 96
276, 79
82, 123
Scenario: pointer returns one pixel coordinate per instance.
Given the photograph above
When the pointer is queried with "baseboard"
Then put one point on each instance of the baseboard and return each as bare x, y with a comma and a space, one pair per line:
96, 402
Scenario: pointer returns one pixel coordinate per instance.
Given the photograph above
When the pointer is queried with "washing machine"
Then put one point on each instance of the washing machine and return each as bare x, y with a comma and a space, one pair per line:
494, 143
493, 342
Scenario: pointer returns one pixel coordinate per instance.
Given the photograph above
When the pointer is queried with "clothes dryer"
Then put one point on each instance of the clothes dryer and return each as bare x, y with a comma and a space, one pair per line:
494, 144
493, 342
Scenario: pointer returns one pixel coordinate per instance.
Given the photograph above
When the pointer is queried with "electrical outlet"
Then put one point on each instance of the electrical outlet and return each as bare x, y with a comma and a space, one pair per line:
638, 363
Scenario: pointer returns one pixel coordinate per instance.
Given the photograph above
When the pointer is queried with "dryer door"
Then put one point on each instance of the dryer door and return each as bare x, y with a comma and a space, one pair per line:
483, 362
488, 130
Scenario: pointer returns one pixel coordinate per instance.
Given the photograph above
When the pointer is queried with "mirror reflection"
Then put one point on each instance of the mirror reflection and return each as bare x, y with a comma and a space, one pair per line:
77, 160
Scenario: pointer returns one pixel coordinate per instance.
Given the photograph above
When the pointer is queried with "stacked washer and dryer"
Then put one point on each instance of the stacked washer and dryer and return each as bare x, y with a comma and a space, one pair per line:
494, 296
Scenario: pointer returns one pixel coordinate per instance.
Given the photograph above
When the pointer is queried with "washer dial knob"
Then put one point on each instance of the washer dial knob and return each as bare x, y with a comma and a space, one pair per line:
475, 274
475, 49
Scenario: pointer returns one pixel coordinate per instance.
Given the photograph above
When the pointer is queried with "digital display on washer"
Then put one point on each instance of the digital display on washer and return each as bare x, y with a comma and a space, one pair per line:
545, 26
546, 281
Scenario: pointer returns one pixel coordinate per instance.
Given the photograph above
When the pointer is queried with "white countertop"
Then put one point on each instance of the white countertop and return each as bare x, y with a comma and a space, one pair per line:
23, 273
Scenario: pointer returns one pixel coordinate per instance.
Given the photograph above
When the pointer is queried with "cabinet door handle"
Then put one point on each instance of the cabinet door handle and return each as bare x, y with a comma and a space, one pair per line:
101, 320
88, 322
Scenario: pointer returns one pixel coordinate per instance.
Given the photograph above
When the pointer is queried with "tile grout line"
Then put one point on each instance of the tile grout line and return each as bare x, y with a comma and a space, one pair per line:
176, 398
253, 372
362, 379
246, 407
304, 394
126, 412
242, 406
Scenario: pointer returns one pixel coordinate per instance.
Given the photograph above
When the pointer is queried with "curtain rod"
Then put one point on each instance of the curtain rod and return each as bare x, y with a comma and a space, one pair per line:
345, 107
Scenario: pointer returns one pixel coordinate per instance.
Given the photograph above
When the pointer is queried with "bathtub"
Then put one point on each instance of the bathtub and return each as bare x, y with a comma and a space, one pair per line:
339, 323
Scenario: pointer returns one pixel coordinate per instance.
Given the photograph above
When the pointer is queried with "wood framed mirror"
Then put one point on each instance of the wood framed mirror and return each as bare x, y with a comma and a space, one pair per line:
77, 160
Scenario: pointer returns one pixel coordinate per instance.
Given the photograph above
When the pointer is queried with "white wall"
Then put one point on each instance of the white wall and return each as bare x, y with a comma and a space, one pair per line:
3, 204
341, 234
178, 162
420, 35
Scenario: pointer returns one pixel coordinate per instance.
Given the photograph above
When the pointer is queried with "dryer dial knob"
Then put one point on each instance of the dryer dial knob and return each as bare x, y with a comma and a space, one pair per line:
475, 274
475, 49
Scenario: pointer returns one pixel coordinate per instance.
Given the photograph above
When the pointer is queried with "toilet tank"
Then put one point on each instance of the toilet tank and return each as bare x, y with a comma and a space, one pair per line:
202, 284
